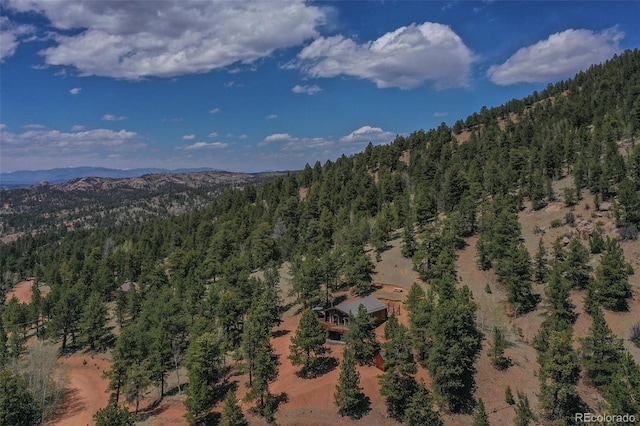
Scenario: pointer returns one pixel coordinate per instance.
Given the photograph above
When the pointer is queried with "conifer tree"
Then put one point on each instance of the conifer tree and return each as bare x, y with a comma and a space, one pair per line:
232, 414
17, 406
93, 320
203, 362
559, 373
361, 337
508, 396
266, 371
496, 351
540, 263
480, 417
114, 415
576, 265
456, 343
419, 411
601, 352
557, 300
308, 342
348, 396
612, 278
524, 415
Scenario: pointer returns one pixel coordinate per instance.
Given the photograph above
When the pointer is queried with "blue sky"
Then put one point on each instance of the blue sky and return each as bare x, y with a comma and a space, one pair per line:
272, 85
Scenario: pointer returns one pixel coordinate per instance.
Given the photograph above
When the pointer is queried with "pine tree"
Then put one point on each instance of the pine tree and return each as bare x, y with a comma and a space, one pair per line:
93, 320
419, 411
601, 352
508, 396
576, 265
348, 396
266, 371
559, 373
540, 263
308, 342
232, 414
17, 406
456, 343
114, 415
524, 415
496, 352
361, 337
612, 278
480, 417
557, 300
203, 361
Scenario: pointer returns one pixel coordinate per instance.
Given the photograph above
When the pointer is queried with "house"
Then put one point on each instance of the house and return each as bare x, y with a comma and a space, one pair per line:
336, 318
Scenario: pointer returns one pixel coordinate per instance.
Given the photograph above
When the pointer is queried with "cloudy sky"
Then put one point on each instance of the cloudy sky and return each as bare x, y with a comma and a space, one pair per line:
272, 85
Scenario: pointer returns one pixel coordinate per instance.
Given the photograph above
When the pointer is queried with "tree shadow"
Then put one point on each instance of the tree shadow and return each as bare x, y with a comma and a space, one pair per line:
280, 333
320, 367
361, 409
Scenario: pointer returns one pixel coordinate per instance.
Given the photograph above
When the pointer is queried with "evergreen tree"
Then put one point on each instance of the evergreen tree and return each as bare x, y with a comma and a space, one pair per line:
496, 351
348, 396
357, 271
601, 352
524, 415
419, 411
456, 343
17, 407
308, 342
612, 283
540, 263
508, 396
559, 373
420, 307
114, 415
232, 414
576, 264
361, 337
93, 320
480, 417
266, 372
204, 366
557, 300
409, 244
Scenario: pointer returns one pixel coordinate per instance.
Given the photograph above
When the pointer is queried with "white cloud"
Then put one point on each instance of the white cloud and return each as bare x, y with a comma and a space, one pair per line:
204, 145
109, 117
35, 149
213, 134
440, 114
291, 143
214, 110
136, 39
368, 134
77, 128
271, 117
188, 137
34, 126
10, 35
242, 136
46, 141
3, 126
560, 55
404, 58
75, 90
308, 89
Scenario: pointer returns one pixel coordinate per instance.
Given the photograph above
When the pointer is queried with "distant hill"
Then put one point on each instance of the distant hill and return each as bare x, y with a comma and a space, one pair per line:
88, 202
24, 178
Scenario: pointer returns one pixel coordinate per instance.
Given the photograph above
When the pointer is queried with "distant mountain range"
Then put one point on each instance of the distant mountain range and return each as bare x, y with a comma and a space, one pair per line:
23, 178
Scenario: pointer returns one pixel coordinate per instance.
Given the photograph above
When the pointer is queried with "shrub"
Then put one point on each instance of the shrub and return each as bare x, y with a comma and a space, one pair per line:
556, 223
635, 334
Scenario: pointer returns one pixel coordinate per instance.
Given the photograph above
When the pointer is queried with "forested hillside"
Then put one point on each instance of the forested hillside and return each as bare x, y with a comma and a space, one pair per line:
198, 300
91, 202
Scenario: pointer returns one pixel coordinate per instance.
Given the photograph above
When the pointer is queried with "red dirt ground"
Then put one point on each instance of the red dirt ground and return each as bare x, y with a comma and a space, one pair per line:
86, 393
23, 292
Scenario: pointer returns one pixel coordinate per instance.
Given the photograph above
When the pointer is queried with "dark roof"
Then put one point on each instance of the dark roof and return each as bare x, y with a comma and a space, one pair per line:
370, 303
